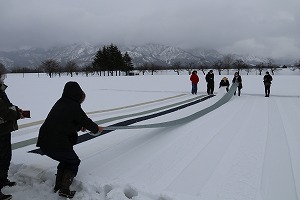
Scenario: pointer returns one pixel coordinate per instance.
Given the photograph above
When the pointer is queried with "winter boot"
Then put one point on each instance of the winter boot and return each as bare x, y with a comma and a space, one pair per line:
5, 196
66, 182
7, 183
4, 181
58, 180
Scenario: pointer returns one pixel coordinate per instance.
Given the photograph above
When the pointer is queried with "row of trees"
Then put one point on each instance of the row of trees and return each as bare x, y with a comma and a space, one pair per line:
109, 61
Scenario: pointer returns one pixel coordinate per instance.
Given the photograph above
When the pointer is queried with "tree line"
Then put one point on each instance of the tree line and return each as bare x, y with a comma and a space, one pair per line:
109, 61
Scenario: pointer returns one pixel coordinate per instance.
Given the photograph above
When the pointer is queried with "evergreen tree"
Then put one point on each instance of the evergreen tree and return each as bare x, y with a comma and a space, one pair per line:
128, 65
3, 69
110, 59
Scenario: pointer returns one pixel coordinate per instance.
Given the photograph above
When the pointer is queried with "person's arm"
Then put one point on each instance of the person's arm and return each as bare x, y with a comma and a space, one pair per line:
9, 114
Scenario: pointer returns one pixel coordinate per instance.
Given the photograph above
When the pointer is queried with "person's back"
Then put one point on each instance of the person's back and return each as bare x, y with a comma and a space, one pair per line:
268, 79
267, 82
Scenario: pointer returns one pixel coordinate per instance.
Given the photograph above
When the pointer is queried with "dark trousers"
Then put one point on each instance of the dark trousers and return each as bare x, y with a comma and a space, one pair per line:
239, 91
5, 157
68, 160
210, 88
5, 151
267, 90
194, 88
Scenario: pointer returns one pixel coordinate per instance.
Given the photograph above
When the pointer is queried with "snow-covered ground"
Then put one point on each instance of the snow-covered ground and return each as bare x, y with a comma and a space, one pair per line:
248, 148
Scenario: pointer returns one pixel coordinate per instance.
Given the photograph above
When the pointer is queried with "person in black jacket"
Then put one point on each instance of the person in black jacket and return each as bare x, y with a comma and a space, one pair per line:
9, 114
267, 82
210, 82
224, 83
58, 134
237, 78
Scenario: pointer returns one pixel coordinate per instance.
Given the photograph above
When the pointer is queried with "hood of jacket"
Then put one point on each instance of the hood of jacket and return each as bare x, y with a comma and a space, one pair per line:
73, 91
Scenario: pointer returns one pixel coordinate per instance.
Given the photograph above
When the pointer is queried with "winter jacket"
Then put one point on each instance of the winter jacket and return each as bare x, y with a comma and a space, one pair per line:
194, 78
9, 114
210, 78
268, 79
238, 79
224, 83
59, 131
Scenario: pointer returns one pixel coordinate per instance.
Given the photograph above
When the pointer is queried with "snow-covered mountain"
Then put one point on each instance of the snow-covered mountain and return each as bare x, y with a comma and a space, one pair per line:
83, 54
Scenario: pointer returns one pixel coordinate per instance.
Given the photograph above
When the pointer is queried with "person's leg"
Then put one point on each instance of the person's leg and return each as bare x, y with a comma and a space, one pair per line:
208, 89
5, 196
193, 88
5, 158
266, 91
67, 160
212, 89
269, 88
58, 180
67, 169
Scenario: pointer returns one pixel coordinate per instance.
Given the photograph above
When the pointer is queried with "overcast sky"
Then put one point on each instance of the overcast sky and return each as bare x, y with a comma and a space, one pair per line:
269, 28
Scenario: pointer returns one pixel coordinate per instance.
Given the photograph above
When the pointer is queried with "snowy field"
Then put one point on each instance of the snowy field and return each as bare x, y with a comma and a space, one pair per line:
249, 148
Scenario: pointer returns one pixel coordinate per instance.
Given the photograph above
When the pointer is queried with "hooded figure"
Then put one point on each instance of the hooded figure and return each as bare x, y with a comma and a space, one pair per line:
58, 134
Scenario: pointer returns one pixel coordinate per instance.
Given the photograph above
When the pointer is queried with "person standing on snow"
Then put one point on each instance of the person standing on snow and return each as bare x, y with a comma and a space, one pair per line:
9, 114
210, 82
267, 82
194, 79
58, 134
224, 83
237, 78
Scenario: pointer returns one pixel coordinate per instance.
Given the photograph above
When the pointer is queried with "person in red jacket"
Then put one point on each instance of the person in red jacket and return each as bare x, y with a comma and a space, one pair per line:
194, 79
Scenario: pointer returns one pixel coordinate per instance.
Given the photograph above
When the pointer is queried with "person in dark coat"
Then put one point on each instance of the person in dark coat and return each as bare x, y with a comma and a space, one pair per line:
58, 134
224, 83
9, 114
267, 82
210, 82
194, 79
237, 78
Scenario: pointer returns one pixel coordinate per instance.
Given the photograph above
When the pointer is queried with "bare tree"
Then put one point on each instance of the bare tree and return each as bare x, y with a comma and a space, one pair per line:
272, 66
218, 65
189, 67
71, 67
239, 65
143, 68
260, 67
51, 67
297, 64
227, 62
203, 68
177, 67
153, 68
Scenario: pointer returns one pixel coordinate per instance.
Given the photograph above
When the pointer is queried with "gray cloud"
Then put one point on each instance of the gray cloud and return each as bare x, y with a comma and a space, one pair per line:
267, 28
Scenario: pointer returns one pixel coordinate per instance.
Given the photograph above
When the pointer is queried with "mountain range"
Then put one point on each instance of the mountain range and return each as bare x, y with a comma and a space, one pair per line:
83, 54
